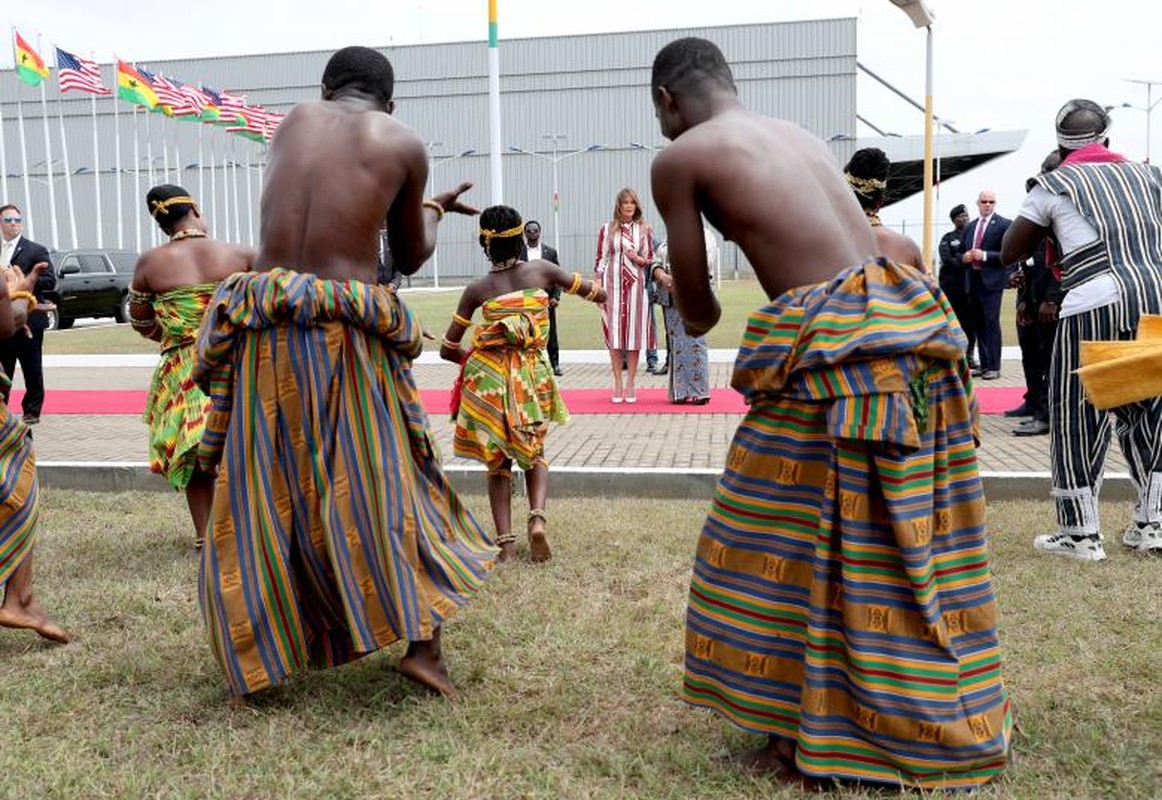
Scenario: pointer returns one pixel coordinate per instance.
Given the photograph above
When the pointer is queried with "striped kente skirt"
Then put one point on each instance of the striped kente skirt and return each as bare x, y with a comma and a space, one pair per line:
334, 530
19, 492
841, 594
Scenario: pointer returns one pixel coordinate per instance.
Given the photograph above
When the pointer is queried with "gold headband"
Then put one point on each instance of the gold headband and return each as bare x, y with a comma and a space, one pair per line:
511, 232
865, 186
161, 205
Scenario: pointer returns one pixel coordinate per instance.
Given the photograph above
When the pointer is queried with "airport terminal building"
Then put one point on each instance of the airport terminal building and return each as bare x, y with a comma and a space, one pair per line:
559, 95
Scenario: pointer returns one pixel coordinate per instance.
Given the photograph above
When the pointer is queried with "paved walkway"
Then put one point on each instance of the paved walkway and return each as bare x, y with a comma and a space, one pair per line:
606, 442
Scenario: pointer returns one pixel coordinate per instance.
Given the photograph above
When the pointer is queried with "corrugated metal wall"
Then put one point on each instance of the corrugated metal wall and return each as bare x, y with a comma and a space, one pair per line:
569, 92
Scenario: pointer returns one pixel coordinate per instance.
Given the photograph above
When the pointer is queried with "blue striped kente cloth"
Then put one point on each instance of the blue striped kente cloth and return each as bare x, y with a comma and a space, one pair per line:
841, 595
19, 491
334, 530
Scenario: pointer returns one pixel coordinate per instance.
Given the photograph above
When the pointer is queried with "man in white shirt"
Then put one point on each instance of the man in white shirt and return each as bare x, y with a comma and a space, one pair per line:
1106, 215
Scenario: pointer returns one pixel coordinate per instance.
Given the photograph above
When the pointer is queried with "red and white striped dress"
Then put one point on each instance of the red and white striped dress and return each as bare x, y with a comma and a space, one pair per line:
625, 317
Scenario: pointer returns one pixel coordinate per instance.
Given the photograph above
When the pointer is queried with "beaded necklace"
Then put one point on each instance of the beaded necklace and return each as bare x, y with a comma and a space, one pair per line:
188, 233
873, 218
501, 268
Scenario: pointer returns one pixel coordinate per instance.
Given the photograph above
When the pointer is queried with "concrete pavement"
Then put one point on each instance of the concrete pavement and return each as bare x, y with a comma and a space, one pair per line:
664, 455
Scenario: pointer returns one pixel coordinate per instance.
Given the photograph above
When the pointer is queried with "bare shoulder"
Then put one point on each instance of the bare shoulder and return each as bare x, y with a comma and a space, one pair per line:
144, 268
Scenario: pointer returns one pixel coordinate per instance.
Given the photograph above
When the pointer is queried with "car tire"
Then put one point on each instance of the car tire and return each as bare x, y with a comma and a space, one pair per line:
122, 312
52, 321
64, 323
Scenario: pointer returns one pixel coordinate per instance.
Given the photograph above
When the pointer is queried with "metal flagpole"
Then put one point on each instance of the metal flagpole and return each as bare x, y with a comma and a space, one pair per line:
28, 215
136, 175
249, 201
48, 160
117, 173
237, 205
214, 184
496, 173
97, 174
68, 171
153, 231
3, 162
201, 158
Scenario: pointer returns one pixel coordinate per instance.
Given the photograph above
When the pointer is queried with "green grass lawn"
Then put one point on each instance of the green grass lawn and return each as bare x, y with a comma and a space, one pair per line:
578, 322
569, 674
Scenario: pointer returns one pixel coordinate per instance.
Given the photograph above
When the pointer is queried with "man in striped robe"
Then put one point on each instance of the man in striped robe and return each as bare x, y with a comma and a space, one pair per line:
334, 531
1106, 215
841, 603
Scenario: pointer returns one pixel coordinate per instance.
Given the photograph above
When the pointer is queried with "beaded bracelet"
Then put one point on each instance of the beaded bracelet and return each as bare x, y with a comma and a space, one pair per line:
446, 342
594, 289
462, 320
576, 286
28, 297
432, 204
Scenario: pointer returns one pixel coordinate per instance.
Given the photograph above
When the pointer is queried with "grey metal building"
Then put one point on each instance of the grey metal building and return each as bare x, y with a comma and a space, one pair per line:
560, 98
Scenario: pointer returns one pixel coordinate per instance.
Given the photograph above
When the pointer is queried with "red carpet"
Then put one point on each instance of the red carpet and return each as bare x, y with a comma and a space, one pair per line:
993, 400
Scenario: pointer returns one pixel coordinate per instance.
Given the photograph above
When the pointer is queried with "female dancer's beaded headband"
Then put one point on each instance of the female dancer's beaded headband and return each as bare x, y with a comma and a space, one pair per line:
162, 205
511, 232
865, 186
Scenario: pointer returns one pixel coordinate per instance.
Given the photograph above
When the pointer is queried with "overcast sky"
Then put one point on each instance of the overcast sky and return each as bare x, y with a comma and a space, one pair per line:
1000, 65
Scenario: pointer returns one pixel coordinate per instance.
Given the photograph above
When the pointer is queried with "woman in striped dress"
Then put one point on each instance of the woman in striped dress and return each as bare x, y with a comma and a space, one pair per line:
624, 252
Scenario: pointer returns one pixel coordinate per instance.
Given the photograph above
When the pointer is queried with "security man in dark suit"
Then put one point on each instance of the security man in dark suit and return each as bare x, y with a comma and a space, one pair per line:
954, 277
19, 252
533, 249
987, 279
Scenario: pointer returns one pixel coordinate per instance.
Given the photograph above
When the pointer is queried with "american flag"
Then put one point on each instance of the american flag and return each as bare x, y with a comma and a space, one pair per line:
75, 72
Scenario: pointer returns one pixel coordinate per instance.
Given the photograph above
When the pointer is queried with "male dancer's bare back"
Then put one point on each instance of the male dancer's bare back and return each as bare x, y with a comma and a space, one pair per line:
768, 186
338, 168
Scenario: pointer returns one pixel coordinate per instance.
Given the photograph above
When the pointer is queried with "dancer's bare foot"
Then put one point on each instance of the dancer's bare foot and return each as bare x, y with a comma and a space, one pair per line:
538, 542
31, 616
776, 759
424, 664
507, 553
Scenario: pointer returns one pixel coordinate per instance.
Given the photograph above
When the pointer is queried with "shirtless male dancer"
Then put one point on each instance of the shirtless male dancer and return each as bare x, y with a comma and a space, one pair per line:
334, 531
825, 609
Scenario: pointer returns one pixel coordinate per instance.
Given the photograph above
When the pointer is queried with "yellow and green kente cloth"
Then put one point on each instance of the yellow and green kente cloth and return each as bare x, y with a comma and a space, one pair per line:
507, 392
175, 410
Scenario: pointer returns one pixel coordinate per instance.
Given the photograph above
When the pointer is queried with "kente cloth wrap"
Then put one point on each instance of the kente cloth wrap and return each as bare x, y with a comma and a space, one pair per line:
19, 491
508, 395
176, 408
334, 531
841, 594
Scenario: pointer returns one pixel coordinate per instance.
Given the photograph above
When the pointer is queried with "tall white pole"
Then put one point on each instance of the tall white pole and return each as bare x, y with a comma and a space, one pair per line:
97, 174
496, 173
237, 205
928, 194
249, 201
29, 217
117, 174
68, 171
48, 160
3, 164
136, 176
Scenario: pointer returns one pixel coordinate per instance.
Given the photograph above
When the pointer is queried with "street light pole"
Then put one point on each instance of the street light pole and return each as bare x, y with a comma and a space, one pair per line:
1149, 109
922, 17
556, 159
432, 164
554, 137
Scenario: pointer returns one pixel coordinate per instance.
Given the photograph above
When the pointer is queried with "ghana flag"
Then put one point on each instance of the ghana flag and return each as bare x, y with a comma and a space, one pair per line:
133, 86
30, 66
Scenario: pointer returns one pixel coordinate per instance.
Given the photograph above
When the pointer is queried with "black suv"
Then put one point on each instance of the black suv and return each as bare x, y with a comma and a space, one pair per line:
90, 283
